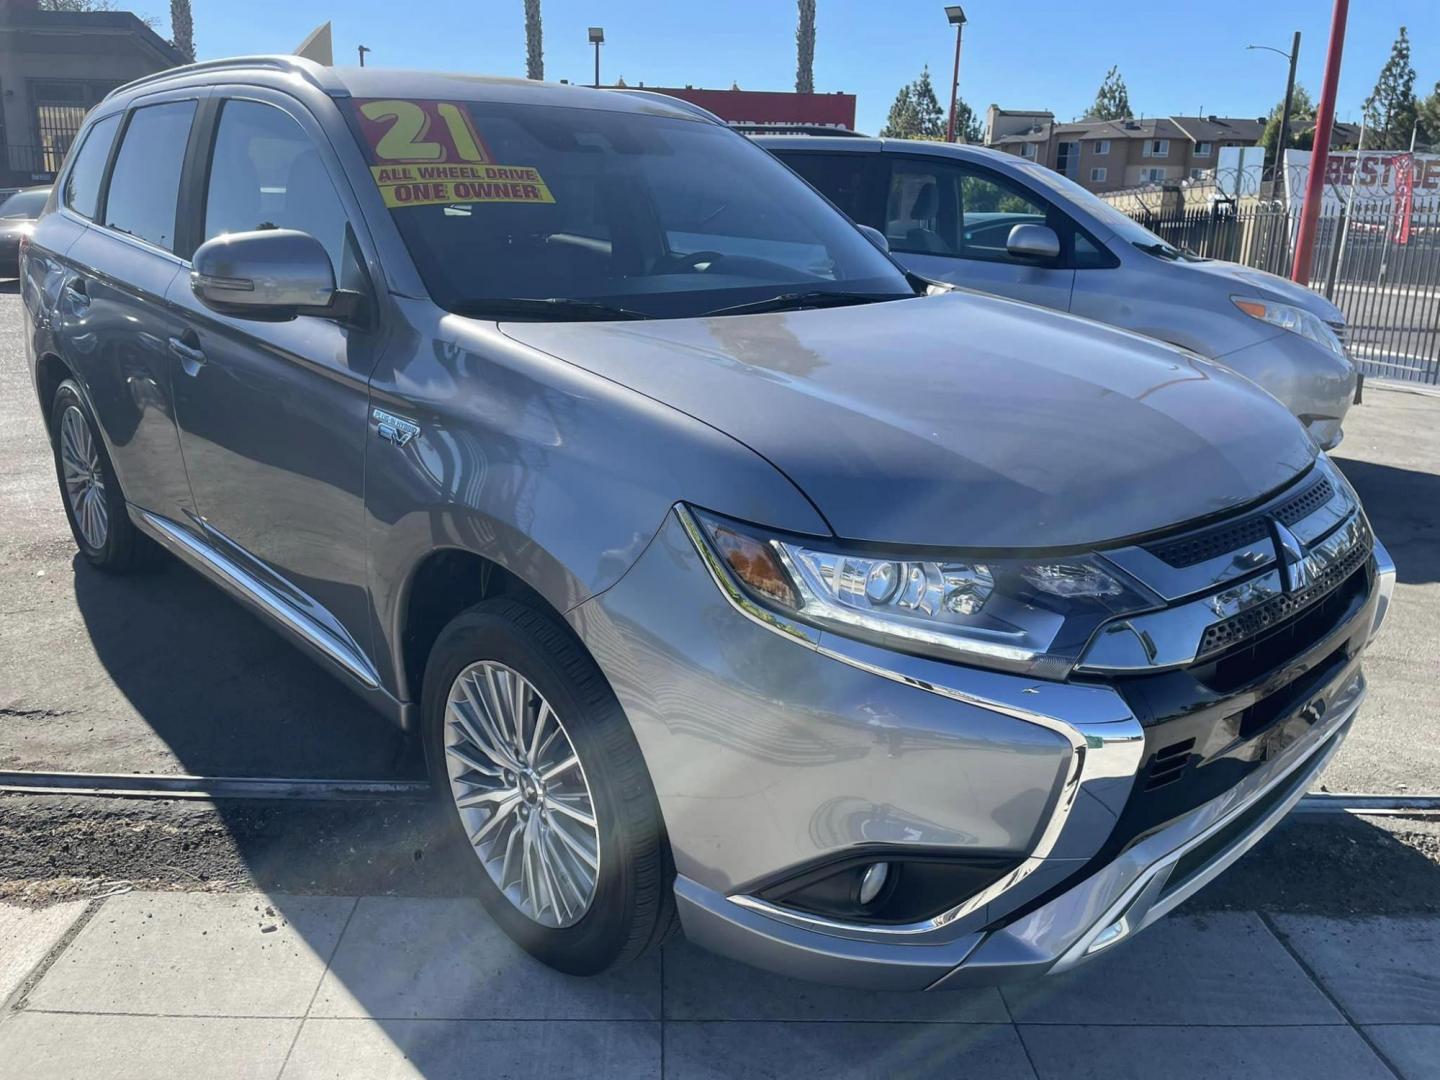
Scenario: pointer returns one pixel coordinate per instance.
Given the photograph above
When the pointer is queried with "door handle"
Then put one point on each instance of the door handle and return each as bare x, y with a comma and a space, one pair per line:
187, 348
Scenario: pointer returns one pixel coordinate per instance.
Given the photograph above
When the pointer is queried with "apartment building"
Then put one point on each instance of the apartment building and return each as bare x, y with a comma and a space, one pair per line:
1108, 155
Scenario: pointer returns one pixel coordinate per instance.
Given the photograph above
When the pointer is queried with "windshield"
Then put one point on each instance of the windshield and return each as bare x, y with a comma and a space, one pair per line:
24, 204
657, 216
1123, 226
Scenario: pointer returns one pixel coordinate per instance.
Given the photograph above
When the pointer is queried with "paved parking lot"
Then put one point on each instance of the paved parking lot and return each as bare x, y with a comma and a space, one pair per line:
248, 985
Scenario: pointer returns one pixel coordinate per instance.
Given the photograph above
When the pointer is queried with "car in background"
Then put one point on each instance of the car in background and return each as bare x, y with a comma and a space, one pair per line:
991, 221
17, 218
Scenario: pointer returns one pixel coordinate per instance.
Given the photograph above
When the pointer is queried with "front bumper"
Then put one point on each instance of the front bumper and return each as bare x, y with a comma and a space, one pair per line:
770, 754
1315, 385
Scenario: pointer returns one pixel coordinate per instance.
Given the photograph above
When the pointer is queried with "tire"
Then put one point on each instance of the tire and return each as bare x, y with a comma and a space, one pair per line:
100, 521
631, 908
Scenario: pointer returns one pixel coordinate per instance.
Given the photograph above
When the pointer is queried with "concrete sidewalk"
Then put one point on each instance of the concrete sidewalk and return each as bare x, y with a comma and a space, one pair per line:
249, 985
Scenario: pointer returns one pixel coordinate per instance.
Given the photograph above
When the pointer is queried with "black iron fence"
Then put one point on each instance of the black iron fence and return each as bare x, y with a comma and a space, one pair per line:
1385, 278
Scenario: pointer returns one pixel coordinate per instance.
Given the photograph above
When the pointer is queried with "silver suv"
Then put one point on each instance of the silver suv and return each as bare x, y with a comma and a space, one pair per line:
987, 220
879, 633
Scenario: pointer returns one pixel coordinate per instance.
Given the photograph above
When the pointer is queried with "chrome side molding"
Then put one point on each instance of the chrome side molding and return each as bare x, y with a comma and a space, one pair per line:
236, 580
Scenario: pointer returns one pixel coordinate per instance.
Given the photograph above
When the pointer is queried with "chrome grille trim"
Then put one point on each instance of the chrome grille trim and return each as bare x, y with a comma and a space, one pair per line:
1234, 596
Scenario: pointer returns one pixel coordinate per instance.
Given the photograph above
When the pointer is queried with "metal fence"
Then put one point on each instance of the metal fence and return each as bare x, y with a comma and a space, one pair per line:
1388, 286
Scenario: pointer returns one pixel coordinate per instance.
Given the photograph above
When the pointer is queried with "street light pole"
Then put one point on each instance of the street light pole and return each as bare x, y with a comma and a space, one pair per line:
363, 50
597, 38
1284, 133
956, 14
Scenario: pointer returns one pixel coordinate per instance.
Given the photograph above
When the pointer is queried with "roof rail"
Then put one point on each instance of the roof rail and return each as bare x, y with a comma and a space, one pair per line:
290, 65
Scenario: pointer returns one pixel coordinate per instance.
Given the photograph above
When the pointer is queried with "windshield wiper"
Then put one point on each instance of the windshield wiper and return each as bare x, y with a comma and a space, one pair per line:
1164, 251
543, 308
796, 300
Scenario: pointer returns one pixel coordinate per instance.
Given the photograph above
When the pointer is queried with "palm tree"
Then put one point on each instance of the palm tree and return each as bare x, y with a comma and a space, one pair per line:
805, 49
534, 56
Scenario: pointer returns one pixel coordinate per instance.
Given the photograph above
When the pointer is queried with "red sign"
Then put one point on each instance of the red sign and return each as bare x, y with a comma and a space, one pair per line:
1404, 196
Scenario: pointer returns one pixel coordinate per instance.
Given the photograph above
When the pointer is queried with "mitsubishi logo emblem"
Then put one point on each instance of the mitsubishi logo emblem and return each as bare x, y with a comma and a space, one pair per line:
1294, 572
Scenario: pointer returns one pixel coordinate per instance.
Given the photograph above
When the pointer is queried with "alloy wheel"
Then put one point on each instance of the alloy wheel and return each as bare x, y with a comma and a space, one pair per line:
522, 794
84, 478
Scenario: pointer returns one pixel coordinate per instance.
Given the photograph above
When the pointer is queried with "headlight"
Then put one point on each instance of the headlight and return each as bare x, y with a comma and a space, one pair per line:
1289, 317
1028, 615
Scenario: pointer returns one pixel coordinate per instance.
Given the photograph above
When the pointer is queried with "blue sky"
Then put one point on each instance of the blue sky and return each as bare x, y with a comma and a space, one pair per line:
1177, 57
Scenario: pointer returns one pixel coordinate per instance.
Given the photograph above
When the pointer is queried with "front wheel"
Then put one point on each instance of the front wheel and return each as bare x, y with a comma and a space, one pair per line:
535, 763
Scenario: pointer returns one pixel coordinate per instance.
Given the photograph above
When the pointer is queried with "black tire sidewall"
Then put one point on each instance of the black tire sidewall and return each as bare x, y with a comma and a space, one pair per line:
504, 631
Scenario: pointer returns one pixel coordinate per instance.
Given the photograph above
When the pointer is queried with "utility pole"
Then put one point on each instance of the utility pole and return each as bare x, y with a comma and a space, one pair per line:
1324, 122
363, 50
956, 14
1283, 140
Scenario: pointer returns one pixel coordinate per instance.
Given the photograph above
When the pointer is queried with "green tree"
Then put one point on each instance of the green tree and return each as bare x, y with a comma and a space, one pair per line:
903, 122
916, 112
1302, 124
968, 128
805, 48
534, 51
1112, 100
182, 29
927, 106
1390, 110
1428, 113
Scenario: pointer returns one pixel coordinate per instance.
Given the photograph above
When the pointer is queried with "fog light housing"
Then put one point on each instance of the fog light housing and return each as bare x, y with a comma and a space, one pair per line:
872, 881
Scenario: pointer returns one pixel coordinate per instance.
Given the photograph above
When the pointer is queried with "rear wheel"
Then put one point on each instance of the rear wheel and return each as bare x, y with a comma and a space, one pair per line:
90, 491
536, 766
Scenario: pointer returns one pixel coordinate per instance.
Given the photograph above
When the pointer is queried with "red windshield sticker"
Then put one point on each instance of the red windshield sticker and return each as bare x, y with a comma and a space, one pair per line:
427, 153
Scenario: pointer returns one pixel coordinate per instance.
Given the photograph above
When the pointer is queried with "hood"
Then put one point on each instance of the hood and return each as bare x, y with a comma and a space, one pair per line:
960, 421
1244, 279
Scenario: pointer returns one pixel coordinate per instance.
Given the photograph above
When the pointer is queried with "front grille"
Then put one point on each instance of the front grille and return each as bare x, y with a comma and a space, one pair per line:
1168, 765
1238, 628
1233, 535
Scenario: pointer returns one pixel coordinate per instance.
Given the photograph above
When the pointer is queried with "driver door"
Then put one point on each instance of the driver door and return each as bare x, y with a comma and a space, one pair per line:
273, 416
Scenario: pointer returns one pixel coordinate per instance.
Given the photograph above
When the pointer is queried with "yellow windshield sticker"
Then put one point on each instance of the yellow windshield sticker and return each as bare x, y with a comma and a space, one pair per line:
430, 185
428, 153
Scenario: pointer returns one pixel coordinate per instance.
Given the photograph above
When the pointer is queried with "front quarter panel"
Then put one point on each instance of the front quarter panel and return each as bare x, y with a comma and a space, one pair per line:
557, 474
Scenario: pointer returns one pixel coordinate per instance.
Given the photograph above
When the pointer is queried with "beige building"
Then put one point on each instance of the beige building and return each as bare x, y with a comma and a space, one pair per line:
1109, 155
55, 65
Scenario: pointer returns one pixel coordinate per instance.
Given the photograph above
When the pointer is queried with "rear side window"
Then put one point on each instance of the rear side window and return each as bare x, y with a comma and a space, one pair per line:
82, 185
839, 177
145, 184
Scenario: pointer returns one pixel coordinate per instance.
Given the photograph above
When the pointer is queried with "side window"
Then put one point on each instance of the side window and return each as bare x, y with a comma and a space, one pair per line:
82, 183
1089, 255
145, 183
265, 173
922, 209
839, 177
990, 208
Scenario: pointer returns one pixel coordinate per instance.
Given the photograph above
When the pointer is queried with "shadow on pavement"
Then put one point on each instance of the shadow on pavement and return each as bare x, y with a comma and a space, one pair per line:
1404, 507
228, 695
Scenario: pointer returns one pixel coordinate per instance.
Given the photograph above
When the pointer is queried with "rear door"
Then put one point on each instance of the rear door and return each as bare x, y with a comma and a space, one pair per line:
849, 179
273, 415
112, 322
949, 221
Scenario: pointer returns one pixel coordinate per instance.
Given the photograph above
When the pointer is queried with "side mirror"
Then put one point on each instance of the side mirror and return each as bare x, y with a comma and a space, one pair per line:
1037, 242
875, 236
271, 274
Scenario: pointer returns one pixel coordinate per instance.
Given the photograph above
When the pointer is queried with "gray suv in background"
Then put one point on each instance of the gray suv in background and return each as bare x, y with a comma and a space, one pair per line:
991, 221
875, 632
